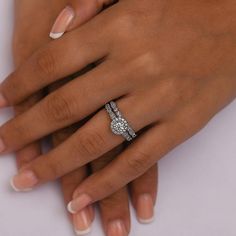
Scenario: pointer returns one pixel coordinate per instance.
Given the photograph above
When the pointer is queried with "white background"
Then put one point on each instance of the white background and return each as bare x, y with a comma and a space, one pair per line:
197, 191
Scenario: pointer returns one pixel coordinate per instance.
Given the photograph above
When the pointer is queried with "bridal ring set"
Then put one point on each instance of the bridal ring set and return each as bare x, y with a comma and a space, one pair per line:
119, 125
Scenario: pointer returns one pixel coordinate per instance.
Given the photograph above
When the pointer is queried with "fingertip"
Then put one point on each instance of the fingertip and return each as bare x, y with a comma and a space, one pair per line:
145, 209
117, 227
70, 208
13, 186
82, 222
24, 181
146, 221
62, 22
83, 232
56, 35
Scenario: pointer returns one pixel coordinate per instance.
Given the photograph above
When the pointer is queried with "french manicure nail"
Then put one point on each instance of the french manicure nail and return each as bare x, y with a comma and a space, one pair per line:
24, 181
82, 222
2, 146
3, 101
62, 22
116, 228
145, 209
79, 203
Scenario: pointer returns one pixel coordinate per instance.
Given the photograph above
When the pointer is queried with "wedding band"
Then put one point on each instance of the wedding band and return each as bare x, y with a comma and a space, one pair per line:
119, 125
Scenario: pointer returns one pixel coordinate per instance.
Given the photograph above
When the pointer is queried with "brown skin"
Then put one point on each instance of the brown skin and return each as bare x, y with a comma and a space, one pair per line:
26, 40
169, 64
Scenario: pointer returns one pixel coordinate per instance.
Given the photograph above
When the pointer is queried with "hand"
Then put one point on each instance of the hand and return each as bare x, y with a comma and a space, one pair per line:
25, 43
169, 64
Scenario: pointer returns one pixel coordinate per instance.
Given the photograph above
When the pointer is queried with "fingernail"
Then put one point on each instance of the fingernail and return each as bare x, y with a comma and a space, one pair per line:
62, 22
82, 222
2, 145
116, 228
79, 203
145, 209
3, 101
24, 181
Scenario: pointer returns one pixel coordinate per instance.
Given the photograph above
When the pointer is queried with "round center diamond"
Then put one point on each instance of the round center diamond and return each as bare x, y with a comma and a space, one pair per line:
119, 126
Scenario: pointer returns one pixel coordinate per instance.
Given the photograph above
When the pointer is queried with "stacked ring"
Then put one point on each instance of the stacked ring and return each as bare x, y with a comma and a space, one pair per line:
119, 125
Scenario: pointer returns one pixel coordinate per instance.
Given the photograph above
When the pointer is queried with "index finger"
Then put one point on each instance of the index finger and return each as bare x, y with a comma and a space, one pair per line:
54, 61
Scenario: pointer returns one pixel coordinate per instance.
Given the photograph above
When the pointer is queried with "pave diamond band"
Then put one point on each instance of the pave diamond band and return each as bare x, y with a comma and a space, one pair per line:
119, 125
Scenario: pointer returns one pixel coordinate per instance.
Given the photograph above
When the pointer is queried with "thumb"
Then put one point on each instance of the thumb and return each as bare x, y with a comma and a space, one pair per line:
75, 14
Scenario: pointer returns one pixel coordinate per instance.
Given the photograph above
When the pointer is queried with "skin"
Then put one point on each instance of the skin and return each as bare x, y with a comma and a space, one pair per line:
26, 40
170, 65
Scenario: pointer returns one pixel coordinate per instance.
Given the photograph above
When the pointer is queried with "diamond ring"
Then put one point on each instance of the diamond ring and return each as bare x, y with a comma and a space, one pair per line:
119, 125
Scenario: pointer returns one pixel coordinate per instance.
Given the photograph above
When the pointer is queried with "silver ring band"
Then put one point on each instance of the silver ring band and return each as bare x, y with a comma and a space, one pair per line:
119, 125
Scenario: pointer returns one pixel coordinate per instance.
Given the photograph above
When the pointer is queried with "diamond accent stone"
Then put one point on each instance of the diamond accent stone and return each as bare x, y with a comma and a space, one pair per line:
119, 126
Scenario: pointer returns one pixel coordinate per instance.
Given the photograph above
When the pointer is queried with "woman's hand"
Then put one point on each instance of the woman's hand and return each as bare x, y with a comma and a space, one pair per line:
170, 65
26, 40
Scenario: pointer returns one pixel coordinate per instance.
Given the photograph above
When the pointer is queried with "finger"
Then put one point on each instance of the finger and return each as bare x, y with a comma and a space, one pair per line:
33, 150
132, 163
82, 220
54, 61
143, 195
75, 14
114, 209
23, 46
115, 213
90, 142
62, 108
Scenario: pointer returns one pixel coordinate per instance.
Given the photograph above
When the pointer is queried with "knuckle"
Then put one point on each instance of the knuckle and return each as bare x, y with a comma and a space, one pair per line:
124, 24
91, 143
45, 62
147, 62
58, 108
138, 162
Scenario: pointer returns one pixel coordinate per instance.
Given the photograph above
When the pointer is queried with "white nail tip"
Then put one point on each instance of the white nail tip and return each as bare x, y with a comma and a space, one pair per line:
69, 208
83, 232
13, 186
146, 221
16, 189
55, 35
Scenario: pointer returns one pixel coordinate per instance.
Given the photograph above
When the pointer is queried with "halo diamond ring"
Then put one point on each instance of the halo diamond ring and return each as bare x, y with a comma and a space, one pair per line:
119, 125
